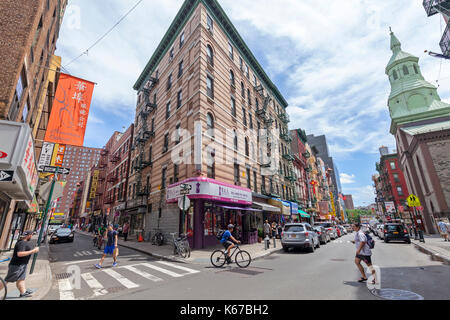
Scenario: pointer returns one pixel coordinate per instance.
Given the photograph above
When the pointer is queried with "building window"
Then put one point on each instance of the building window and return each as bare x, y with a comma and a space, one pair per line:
209, 23
250, 120
249, 98
210, 55
249, 181
395, 75
247, 149
244, 116
400, 191
171, 55
210, 87
396, 178
232, 78
209, 121
180, 69
233, 107
181, 39
255, 185
405, 70
177, 134
168, 111
175, 173
242, 90
150, 154
166, 143
235, 140
169, 82
163, 179
236, 174
230, 51
392, 163
179, 99
211, 166
241, 64
246, 72
254, 80
263, 184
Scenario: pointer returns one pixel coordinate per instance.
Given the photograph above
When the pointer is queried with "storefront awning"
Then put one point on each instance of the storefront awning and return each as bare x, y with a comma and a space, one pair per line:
237, 208
265, 207
303, 214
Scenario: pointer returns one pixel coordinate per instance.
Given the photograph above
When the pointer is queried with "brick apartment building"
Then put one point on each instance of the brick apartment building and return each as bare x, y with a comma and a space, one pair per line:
203, 77
108, 197
348, 200
29, 73
298, 147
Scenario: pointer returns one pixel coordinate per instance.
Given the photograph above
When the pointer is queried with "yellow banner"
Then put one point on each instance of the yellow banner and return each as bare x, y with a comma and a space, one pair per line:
94, 184
332, 204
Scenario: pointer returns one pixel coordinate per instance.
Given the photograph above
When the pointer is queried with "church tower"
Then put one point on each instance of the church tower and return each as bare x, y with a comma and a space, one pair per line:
421, 126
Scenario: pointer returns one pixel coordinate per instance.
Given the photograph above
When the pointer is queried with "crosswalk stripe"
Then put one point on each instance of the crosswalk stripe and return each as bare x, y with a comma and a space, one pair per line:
173, 274
190, 271
124, 281
99, 290
143, 274
65, 290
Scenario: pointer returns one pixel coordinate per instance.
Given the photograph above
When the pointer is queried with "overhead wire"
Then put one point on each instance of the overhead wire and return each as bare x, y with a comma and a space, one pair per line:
105, 34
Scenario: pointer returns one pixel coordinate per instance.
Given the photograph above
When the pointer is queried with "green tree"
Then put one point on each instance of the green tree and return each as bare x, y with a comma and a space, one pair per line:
354, 215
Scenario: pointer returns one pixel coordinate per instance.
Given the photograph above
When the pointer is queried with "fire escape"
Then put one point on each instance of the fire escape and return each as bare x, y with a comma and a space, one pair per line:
142, 136
433, 7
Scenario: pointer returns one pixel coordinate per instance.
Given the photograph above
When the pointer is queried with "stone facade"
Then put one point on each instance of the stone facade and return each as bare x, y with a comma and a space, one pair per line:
440, 152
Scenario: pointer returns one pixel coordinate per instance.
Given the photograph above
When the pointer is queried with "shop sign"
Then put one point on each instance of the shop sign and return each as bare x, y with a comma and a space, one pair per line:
294, 208
390, 206
17, 148
45, 158
210, 189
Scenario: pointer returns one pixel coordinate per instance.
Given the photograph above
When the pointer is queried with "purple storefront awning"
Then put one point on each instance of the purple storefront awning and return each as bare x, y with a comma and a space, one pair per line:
238, 208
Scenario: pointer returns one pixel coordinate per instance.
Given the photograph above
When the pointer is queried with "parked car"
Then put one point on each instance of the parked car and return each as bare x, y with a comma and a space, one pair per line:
380, 231
348, 228
330, 228
396, 232
53, 227
299, 235
323, 234
62, 235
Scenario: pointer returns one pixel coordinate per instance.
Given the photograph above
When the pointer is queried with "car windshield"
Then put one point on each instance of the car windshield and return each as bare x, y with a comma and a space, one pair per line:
298, 228
63, 230
394, 228
325, 225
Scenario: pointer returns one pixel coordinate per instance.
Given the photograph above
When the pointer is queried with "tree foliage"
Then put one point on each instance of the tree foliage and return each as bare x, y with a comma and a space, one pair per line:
354, 214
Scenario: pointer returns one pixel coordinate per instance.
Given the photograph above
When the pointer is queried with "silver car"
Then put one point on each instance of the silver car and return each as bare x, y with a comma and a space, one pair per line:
380, 231
299, 235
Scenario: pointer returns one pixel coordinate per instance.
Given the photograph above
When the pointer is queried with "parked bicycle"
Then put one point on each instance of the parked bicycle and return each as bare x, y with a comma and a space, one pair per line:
3, 287
181, 246
158, 239
242, 258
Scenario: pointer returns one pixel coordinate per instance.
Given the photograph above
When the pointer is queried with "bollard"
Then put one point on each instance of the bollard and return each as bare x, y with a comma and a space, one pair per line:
274, 242
416, 235
422, 239
266, 243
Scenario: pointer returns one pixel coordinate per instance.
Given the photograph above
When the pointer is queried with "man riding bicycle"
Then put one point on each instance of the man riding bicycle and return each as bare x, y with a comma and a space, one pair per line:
101, 235
225, 241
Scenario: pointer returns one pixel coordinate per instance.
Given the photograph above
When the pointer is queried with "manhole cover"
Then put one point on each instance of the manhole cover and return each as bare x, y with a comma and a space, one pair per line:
245, 271
396, 294
61, 276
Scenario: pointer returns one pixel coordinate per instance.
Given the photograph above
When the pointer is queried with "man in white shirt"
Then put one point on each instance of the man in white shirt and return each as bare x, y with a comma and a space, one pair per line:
363, 252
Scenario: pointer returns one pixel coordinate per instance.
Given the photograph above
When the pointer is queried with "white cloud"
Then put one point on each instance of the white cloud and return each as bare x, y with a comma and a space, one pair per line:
347, 178
362, 196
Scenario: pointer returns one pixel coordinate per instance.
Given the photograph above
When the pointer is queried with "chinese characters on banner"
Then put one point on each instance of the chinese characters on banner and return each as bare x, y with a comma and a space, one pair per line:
58, 155
67, 124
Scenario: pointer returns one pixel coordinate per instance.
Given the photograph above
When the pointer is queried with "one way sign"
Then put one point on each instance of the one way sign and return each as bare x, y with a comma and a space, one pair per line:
49, 169
6, 175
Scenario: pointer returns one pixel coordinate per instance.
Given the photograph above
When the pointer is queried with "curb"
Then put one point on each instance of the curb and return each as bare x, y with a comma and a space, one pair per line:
45, 289
434, 255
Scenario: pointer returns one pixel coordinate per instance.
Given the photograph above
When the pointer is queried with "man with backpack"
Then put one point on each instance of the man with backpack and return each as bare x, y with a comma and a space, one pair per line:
364, 243
225, 241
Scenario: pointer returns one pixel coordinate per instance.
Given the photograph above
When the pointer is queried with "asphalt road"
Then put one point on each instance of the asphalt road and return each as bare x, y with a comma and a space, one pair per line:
328, 273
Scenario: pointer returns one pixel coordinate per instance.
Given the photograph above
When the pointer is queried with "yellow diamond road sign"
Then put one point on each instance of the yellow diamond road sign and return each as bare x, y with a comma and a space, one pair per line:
413, 201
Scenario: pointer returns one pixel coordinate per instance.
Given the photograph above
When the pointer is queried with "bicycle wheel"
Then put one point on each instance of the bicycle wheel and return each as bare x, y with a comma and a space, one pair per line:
243, 259
182, 251
188, 248
3, 289
218, 258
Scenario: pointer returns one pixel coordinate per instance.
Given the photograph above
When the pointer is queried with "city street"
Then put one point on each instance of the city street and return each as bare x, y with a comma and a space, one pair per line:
328, 273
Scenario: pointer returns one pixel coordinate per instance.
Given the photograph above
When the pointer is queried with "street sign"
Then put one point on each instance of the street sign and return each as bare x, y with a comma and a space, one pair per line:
187, 203
183, 192
413, 201
46, 155
6, 175
186, 187
49, 169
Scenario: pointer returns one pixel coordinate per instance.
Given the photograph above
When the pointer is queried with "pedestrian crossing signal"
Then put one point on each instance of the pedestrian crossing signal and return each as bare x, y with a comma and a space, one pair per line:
413, 201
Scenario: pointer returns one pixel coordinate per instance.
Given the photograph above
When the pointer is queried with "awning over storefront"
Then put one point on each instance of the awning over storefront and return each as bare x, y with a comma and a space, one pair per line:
284, 206
237, 208
303, 214
266, 207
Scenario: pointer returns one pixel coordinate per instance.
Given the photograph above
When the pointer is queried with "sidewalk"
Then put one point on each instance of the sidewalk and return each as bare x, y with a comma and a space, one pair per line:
39, 282
435, 246
200, 257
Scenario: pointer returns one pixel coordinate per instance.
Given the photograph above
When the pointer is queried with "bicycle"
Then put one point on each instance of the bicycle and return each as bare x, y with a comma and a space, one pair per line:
158, 239
3, 287
242, 259
181, 246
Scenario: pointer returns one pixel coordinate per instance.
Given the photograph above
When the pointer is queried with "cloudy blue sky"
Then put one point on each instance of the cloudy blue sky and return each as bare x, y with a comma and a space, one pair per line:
327, 57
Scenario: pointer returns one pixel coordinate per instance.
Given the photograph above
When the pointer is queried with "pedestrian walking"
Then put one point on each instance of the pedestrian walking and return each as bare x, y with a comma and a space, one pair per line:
125, 229
17, 268
266, 228
363, 252
443, 230
111, 247
274, 229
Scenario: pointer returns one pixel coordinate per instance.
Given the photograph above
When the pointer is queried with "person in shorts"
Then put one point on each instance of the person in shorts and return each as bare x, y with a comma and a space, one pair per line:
110, 248
17, 269
225, 241
363, 253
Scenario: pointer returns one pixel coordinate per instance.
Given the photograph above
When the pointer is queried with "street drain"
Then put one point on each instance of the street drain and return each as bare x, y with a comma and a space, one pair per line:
396, 294
62, 276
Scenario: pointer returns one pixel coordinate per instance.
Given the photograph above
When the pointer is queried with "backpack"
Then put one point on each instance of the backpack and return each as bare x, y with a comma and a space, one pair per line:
370, 241
219, 234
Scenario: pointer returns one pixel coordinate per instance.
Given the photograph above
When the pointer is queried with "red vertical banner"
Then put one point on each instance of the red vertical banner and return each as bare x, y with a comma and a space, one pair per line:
67, 124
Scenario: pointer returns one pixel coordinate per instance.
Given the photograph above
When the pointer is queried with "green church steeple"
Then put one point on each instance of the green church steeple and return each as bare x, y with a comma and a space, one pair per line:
412, 98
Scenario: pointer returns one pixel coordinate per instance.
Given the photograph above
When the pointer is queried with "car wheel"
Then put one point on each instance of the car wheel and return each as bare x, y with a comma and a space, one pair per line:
385, 240
285, 249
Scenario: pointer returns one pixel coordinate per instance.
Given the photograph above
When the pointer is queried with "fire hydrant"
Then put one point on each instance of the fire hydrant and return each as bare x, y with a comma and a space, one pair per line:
266, 243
